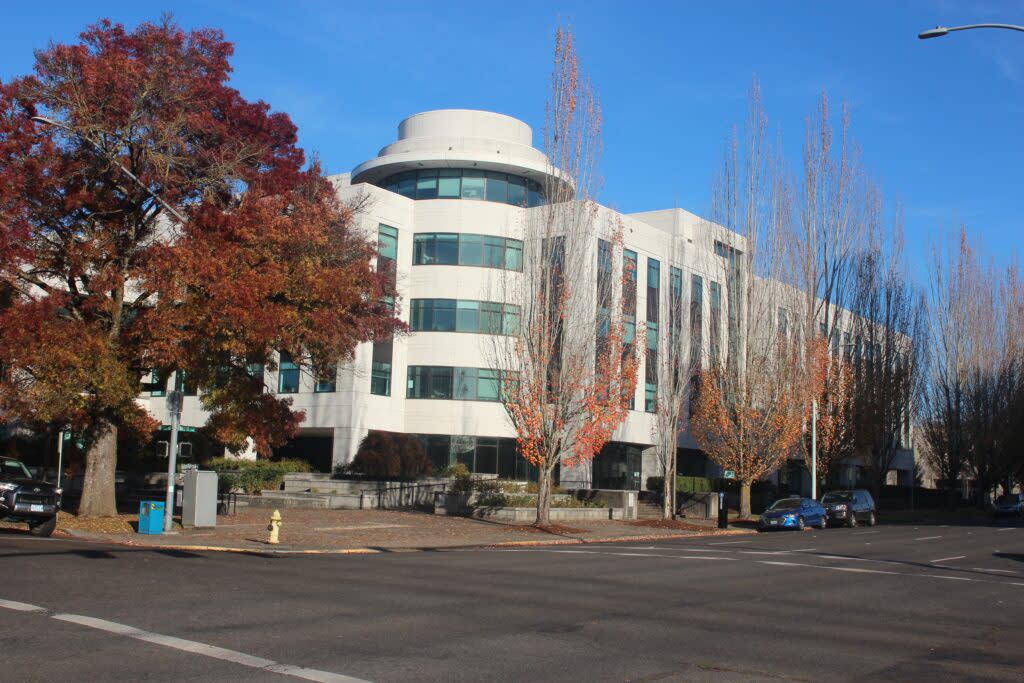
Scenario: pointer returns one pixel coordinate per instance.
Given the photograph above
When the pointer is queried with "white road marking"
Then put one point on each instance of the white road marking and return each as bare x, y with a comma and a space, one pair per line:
727, 543
206, 650
1009, 528
947, 559
986, 569
865, 533
927, 538
21, 606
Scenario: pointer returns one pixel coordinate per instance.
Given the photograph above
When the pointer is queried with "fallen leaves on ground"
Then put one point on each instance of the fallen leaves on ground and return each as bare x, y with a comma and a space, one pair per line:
670, 524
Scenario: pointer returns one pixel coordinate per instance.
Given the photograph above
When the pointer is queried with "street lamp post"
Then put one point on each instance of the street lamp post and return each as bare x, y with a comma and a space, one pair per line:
814, 449
174, 399
940, 31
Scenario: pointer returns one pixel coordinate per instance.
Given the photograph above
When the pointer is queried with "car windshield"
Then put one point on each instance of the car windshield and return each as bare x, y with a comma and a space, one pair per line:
786, 504
1007, 499
844, 497
13, 468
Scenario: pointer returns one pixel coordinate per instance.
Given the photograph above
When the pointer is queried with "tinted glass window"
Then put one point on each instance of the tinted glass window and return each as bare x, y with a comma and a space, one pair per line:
473, 185
449, 184
786, 504
516, 191
471, 250
426, 185
497, 187
447, 248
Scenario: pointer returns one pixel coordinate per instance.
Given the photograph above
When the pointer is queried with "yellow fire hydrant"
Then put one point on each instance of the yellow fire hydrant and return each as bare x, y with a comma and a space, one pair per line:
274, 527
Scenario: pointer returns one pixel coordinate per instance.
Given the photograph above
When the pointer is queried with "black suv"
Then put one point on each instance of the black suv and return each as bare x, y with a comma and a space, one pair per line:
851, 507
24, 499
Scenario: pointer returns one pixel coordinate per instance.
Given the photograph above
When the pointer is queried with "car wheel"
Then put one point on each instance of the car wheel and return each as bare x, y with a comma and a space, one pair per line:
800, 524
851, 520
872, 520
823, 524
44, 528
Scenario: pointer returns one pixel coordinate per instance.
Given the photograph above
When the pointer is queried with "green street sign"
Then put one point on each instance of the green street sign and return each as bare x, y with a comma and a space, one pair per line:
729, 474
182, 428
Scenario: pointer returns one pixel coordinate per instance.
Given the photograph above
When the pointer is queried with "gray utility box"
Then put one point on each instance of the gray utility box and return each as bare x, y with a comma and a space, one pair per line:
199, 499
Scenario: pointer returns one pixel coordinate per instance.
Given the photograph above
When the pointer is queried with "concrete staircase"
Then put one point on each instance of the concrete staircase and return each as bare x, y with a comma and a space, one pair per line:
648, 509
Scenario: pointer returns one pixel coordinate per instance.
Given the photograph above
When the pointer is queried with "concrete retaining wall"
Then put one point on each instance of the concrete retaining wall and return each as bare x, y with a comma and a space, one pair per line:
528, 515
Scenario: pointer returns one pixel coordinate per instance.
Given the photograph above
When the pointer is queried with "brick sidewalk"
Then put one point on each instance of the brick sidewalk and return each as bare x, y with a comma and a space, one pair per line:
334, 530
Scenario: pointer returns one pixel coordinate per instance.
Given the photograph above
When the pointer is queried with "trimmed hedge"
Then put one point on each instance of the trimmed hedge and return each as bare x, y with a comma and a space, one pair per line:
683, 484
253, 476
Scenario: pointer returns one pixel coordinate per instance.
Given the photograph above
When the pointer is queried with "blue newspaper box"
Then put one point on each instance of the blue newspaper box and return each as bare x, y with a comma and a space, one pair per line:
151, 517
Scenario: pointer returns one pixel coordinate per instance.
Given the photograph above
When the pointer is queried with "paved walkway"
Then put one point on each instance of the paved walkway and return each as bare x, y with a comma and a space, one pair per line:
361, 530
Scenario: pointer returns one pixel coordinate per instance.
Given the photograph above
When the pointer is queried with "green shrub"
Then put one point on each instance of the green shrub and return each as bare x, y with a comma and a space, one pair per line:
578, 503
253, 476
534, 487
454, 471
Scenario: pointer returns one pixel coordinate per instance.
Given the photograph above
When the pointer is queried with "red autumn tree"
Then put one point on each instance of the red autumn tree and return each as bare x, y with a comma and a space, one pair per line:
105, 283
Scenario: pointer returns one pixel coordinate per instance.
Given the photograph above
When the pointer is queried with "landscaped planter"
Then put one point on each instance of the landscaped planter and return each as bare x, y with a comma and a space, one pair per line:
451, 502
555, 514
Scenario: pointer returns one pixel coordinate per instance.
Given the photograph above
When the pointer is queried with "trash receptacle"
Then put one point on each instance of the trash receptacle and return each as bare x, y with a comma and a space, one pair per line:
151, 517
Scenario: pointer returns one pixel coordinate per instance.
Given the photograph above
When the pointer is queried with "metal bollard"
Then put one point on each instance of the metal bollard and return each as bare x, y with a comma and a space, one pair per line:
274, 527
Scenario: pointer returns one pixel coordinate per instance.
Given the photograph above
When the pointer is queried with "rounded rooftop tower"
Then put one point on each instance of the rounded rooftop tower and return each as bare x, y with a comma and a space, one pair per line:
461, 143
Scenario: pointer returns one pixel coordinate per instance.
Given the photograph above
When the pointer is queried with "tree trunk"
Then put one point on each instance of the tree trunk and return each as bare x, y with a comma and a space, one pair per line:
100, 463
544, 497
744, 500
666, 495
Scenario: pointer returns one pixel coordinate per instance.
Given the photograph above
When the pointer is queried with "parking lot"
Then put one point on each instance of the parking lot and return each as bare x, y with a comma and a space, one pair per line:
893, 602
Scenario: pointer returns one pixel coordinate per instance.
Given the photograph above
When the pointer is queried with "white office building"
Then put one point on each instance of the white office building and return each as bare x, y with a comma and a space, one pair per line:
449, 202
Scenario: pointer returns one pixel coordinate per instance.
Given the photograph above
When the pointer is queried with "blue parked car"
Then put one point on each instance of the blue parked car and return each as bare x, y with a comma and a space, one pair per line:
794, 513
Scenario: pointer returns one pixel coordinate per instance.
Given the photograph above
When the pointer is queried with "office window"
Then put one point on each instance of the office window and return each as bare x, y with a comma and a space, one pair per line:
380, 378
467, 384
451, 315
287, 374
159, 379
653, 289
715, 323
451, 249
696, 319
497, 187
387, 242
327, 383
426, 185
449, 183
473, 185
455, 183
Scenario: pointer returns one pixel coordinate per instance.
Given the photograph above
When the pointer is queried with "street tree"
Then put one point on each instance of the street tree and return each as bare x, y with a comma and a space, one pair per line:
107, 284
888, 358
569, 369
748, 412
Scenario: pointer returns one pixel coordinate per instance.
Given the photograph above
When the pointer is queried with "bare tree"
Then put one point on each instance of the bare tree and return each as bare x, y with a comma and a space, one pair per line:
888, 357
571, 367
955, 334
747, 414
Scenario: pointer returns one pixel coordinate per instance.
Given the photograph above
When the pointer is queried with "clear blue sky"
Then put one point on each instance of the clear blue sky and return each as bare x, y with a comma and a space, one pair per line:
940, 122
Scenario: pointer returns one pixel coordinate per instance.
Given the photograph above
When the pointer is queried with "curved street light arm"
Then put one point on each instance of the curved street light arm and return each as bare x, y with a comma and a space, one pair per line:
940, 31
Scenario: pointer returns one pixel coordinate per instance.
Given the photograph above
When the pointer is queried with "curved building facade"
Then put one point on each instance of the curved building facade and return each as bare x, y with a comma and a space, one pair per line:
450, 203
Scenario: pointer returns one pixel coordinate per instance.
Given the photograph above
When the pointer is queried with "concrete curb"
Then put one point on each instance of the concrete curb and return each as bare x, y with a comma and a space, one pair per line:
94, 538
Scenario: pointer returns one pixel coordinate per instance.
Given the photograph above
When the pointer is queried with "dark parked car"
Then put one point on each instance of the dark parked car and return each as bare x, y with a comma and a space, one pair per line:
24, 499
793, 513
850, 507
1010, 504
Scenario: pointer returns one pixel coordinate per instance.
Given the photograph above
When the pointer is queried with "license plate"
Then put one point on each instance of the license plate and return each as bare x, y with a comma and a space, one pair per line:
35, 508
773, 521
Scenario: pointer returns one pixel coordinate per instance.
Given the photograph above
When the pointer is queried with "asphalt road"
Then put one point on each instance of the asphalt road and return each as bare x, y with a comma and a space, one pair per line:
887, 603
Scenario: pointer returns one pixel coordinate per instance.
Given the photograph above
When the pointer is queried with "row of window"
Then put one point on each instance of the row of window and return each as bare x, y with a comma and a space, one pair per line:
480, 454
460, 249
287, 379
459, 183
465, 384
456, 315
